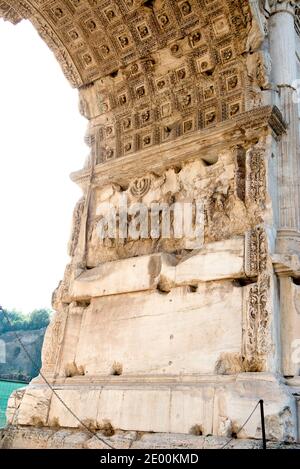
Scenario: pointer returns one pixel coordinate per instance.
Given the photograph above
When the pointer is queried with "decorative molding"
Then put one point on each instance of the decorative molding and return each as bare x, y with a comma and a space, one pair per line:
287, 265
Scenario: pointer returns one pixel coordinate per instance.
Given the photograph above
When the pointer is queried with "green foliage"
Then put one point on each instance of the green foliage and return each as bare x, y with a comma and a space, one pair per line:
37, 319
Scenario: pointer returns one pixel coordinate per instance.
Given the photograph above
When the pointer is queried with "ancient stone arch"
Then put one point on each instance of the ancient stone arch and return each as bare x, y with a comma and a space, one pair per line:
186, 100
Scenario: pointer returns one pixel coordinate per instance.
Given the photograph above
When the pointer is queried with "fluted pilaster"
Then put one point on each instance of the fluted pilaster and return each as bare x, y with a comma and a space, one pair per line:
284, 74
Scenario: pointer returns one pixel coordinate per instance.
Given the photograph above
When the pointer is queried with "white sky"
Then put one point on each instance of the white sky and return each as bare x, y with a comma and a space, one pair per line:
41, 143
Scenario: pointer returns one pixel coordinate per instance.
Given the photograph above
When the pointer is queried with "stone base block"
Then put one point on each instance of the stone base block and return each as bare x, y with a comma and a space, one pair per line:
207, 405
45, 438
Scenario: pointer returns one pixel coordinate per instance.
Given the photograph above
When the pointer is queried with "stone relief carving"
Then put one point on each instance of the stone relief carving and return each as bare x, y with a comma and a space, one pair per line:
256, 181
230, 205
259, 69
256, 252
257, 338
140, 187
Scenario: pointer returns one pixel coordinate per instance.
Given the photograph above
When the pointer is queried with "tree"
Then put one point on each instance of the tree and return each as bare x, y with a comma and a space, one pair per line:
38, 319
17, 321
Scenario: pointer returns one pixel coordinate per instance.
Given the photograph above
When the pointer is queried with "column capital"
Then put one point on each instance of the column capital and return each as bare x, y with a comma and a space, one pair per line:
279, 6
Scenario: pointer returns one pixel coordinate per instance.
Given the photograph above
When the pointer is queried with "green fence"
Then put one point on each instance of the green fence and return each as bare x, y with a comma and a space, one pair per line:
6, 388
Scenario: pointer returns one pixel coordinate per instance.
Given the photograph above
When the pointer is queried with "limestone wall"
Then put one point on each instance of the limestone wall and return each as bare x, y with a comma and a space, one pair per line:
187, 103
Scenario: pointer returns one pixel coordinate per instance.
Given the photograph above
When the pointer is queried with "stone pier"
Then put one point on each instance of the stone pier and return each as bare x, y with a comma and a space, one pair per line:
188, 104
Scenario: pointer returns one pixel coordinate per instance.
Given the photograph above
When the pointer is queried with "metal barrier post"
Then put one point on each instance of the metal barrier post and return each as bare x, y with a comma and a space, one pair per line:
263, 428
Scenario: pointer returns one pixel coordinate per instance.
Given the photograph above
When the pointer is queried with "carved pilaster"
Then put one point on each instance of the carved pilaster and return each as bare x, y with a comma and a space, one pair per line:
283, 43
256, 176
256, 252
257, 337
258, 313
284, 74
289, 168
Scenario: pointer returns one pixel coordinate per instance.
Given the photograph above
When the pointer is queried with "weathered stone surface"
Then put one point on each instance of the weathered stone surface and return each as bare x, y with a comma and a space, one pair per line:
34, 407
124, 276
188, 104
173, 333
13, 406
44, 438
215, 261
121, 440
171, 404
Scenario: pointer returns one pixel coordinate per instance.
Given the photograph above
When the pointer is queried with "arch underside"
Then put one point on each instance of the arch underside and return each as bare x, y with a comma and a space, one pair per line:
150, 72
94, 38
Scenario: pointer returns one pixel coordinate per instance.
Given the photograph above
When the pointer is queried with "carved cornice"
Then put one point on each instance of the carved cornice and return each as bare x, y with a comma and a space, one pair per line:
205, 144
286, 265
277, 122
